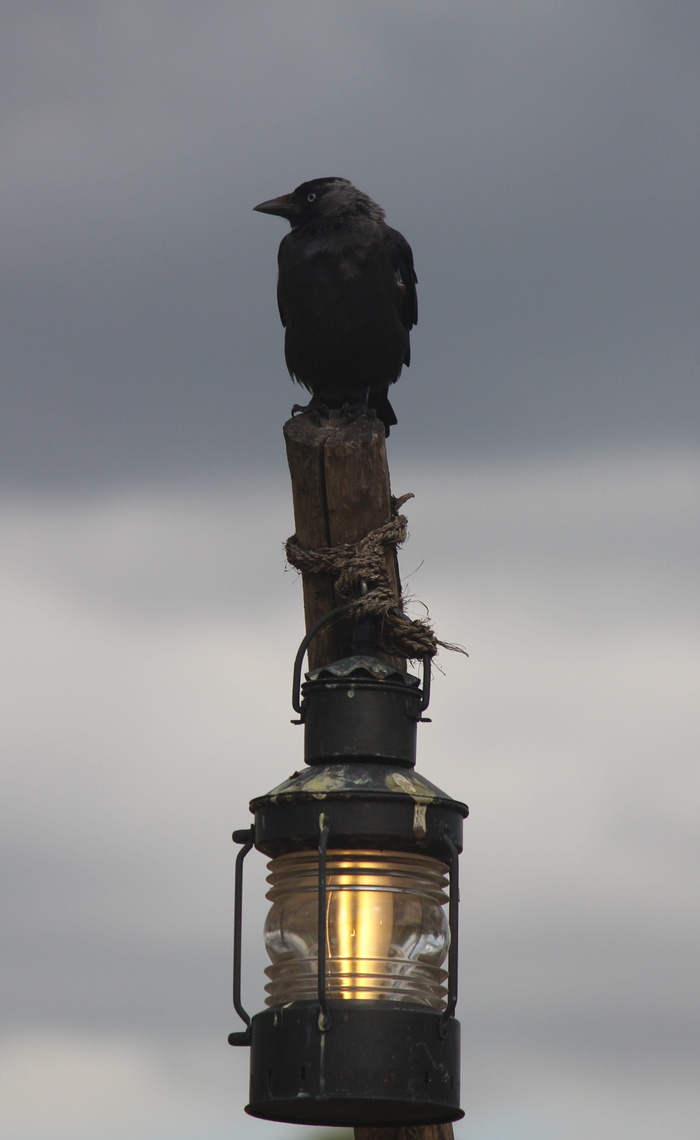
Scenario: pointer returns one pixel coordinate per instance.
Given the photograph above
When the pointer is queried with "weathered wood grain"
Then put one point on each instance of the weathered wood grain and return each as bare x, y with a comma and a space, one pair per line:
341, 491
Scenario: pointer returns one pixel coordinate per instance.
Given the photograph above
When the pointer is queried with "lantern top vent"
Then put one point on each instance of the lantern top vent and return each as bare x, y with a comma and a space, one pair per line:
363, 664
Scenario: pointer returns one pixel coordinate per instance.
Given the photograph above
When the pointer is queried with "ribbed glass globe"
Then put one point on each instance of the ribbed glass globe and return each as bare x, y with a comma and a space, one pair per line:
386, 930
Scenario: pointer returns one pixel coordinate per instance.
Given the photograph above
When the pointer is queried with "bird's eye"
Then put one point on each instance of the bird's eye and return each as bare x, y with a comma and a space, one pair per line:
311, 197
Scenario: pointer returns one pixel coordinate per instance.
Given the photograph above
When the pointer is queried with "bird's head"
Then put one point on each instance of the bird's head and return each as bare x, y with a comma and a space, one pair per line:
332, 201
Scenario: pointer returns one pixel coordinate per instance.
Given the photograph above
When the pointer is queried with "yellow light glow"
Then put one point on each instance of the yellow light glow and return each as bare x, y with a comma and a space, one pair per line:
358, 930
386, 930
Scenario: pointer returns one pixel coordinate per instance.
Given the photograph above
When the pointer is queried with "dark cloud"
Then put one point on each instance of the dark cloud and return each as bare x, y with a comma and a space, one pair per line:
541, 161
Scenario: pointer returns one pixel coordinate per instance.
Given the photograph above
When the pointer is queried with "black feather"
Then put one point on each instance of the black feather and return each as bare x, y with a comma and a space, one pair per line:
346, 294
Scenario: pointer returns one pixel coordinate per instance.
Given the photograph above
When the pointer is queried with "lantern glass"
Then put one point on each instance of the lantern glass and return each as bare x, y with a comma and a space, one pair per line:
387, 933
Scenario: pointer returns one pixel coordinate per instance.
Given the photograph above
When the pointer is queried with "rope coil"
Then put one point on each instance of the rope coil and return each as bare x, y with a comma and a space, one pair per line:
359, 571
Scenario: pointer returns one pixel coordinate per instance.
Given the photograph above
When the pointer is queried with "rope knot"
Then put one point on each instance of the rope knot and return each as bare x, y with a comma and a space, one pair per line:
359, 571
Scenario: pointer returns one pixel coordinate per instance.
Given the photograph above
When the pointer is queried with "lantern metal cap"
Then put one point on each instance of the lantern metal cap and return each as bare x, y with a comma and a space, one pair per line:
361, 708
356, 780
369, 804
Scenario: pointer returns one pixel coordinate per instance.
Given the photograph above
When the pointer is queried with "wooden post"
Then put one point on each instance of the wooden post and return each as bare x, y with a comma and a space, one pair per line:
341, 491
407, 1132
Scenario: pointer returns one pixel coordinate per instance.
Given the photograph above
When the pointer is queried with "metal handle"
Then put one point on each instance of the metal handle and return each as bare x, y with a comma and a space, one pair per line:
299, 659
247, 838
315, 628
427, 675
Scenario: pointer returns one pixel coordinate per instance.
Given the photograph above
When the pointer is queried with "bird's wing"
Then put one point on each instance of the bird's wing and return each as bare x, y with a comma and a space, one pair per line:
280, 255
401, 257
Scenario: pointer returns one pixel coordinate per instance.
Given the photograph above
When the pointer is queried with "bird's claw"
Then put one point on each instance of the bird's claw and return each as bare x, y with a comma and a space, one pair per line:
352, 412
318, 411
315, 410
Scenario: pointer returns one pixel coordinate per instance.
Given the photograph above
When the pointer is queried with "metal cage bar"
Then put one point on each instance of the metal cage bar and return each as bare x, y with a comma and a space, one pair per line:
324, 1020
453, 918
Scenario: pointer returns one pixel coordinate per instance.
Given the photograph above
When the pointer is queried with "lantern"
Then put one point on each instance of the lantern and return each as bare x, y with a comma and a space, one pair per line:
361, 933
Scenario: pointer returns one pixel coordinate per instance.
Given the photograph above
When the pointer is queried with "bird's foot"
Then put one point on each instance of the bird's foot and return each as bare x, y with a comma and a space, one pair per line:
352, 412
315, 410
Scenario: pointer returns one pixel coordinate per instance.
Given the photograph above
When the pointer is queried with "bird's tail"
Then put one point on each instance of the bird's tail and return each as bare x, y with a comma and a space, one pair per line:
384, 410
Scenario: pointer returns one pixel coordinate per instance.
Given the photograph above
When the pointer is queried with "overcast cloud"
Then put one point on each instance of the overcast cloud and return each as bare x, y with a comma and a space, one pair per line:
542, 160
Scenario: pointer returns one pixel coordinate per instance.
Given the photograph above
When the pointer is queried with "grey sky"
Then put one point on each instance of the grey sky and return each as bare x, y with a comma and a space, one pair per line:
542, 160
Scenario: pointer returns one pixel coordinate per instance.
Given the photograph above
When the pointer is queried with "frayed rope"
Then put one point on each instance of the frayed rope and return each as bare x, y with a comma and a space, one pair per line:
361, 578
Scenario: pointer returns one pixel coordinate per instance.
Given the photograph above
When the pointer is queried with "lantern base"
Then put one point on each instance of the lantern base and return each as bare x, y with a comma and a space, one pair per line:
377, 1064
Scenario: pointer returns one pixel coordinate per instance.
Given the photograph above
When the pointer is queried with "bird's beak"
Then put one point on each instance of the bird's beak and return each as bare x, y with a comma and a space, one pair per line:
283, 206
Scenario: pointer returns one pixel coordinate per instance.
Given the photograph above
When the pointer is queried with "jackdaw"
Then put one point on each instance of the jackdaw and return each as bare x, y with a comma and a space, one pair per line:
347, 297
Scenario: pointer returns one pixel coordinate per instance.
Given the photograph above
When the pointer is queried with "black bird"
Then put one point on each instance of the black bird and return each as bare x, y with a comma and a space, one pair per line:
347, 297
